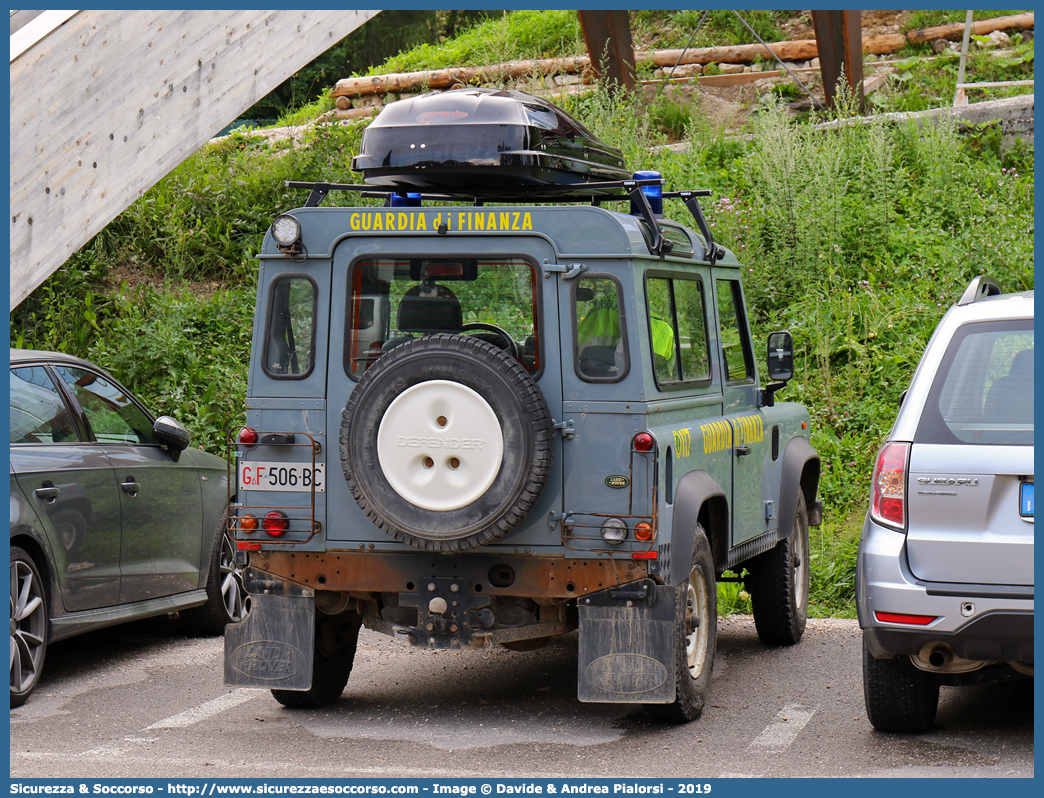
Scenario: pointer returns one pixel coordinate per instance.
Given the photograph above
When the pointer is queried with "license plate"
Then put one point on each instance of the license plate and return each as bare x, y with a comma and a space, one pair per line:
299, 477
1026, 500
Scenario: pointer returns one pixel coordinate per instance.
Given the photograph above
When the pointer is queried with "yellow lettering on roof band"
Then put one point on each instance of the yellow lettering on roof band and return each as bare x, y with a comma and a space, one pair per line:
466, 221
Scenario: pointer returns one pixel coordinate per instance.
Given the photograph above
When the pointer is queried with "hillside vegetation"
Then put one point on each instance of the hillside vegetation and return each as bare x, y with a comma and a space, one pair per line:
856, 240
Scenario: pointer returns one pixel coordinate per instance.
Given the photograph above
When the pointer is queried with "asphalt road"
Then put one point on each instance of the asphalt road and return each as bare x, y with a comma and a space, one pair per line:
143, 700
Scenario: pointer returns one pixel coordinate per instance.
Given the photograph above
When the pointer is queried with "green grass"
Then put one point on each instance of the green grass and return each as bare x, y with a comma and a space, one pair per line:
519, 34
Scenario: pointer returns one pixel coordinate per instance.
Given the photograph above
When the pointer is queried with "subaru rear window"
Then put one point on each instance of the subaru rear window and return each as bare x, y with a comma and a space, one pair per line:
983, 391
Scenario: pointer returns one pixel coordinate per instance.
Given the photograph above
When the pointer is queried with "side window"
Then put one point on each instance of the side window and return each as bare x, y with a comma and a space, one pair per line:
38, 412
735, 345
678, 330
290, 337
113, 417
601, 347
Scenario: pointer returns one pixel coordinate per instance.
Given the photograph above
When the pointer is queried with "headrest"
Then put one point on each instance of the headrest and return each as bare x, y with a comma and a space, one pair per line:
429, 309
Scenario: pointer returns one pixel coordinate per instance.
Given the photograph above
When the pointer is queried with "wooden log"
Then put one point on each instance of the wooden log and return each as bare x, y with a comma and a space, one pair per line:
955, 30
801, 50
444, 78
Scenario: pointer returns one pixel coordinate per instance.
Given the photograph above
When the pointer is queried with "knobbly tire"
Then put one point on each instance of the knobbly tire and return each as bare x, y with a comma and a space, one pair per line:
778, 585
29, 621
696, 636
336, 639
227, 599
899, 696
446, 443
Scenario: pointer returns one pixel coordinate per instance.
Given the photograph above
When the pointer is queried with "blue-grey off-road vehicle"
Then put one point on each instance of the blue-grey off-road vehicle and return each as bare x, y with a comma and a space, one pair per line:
492, 411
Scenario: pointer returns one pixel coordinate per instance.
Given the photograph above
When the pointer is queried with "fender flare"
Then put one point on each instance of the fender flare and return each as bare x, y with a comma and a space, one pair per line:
797, 454
694, 489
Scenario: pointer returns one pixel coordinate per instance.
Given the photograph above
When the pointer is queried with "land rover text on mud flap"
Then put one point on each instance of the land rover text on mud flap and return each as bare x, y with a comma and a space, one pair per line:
508, 418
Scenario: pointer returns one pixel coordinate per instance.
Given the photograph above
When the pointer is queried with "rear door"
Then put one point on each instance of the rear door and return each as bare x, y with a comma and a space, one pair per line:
498, 284
971, 463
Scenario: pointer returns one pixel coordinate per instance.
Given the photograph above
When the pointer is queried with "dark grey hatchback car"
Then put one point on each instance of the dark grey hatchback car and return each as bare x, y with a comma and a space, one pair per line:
113, 517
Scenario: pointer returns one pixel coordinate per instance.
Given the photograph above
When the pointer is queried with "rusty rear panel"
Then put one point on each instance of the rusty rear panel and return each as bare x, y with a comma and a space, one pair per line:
366, 572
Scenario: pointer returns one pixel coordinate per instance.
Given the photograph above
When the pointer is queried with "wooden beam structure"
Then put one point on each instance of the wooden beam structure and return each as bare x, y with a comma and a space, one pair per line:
607, 35
839, 41
105, 103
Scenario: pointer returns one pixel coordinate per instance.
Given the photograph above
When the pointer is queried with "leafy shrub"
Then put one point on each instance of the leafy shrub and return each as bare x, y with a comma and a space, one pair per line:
184, 353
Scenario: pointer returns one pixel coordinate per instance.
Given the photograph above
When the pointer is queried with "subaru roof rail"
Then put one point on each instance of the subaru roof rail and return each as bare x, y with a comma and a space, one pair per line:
979, 288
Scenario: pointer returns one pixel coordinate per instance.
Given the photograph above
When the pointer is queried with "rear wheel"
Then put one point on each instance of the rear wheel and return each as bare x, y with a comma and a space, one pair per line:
778, 585
695, 634
336, 639
28, 626
899, 696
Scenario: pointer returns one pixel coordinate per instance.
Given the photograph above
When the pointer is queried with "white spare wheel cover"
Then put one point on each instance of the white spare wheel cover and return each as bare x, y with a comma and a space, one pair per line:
440, 445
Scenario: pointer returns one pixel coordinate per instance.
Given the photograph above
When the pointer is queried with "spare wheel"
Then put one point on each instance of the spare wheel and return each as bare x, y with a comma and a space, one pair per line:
446, 442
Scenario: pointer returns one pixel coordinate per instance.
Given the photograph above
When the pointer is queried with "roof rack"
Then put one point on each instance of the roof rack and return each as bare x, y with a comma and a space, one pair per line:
979, 288
594, 193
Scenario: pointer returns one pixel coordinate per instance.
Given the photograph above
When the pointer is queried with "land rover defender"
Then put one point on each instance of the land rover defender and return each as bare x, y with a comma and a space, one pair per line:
510, 401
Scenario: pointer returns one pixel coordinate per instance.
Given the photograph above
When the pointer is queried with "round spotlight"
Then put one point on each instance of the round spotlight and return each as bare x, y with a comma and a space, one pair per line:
286, 230
614, 531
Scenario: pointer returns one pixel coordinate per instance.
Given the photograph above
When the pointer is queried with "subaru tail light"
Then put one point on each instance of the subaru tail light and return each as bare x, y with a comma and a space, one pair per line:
889, 485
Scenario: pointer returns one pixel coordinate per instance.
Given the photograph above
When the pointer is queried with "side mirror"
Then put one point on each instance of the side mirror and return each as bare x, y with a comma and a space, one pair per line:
171, 434
780, 356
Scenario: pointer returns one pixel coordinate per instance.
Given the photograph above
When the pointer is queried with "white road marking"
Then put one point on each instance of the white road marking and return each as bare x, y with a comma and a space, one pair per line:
739, 776
205, 710
784, 728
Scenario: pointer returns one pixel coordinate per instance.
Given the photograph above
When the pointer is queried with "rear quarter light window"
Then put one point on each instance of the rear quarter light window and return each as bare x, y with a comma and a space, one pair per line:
888, 488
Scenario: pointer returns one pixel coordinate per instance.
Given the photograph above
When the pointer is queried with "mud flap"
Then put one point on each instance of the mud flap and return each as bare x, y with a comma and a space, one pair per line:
273, 647
627, 644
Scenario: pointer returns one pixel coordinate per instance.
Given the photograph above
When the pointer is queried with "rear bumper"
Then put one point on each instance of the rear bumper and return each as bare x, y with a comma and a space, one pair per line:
980, 622
994, 636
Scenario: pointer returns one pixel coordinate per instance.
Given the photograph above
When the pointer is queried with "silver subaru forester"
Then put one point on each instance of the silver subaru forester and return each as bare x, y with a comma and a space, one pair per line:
945, 572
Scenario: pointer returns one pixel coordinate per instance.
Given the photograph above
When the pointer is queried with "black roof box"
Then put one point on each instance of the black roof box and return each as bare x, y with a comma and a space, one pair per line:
481, 140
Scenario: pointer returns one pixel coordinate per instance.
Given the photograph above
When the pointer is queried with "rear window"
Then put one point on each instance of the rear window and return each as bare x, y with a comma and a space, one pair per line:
396, 299
983, 392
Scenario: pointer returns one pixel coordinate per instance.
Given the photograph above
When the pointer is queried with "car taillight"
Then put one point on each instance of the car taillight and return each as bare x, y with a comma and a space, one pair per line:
247, 436
275, 523
643, 442
248, 523
902, 617
888, 488
643, 530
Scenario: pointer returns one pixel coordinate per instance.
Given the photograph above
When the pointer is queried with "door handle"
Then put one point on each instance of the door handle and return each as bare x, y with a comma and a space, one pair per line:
48, 493
742, 450
130, 487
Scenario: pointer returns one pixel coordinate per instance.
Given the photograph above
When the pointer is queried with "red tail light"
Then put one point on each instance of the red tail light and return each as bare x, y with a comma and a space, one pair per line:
888, 488
247, 436
275, 523
643, 442
899, 617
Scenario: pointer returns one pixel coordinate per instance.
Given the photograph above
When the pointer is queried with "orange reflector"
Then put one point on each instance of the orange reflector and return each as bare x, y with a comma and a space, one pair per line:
643, 530
246, 545
804, 424
643, 555
898, 617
